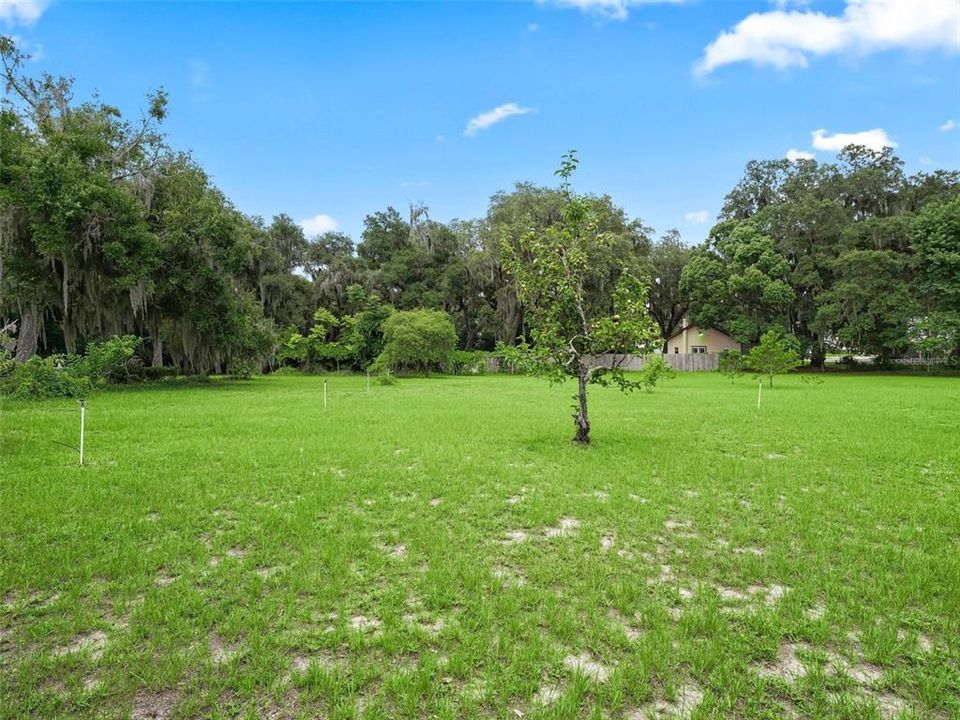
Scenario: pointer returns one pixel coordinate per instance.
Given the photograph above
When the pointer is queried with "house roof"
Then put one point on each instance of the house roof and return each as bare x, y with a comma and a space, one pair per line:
696, 327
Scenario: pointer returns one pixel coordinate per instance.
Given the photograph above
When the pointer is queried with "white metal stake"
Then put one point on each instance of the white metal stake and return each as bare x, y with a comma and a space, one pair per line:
83, 412
368, 382
324, 395
759, 394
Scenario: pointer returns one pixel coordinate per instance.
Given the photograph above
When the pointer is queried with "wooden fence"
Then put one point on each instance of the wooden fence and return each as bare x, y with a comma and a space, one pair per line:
684, 362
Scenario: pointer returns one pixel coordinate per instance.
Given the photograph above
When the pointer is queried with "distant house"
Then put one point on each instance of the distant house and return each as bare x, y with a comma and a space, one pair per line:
696, 340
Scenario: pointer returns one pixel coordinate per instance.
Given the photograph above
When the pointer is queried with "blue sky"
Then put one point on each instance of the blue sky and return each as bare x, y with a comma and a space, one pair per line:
338, 110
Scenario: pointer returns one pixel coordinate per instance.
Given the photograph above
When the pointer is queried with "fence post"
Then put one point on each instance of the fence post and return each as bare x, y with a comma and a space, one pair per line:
83, 413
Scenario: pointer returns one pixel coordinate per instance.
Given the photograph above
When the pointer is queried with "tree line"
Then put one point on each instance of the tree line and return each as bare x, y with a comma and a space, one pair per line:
105, 230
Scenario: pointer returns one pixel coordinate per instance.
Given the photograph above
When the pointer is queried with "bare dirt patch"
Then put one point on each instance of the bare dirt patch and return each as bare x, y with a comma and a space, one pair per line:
153, 705
221, 651
546, 695
687, 700
585, 664
301, 662
666, 576
265, 571
890, 706
816, 612
93, 642
565, 527
236, 552
632, 632
774, 593
864, 673
732, 594
606, 542
362, 623
164, 578
515, 537
787, 666
397, 552
508, 577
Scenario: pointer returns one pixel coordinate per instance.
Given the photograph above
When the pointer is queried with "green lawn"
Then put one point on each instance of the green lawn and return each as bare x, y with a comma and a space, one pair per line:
439, 548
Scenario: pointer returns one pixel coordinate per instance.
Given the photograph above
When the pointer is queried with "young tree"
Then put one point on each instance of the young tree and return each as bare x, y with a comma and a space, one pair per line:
574, 313
417, 338
776, 354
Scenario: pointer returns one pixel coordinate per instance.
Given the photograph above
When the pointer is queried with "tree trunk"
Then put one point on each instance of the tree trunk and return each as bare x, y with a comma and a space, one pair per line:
818, 356
29, 333
581, 420
157, 359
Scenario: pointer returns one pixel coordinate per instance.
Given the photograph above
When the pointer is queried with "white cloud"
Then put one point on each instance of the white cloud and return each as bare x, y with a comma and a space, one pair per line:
876, 139
491, 117
793, 155
533, 27
949, 125
415, 184
926, 160
698, 217
21, 12
607, 9
319, 224
789, 38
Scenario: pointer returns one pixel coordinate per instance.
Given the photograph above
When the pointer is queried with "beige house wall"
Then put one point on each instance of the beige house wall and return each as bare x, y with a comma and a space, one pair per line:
714, 340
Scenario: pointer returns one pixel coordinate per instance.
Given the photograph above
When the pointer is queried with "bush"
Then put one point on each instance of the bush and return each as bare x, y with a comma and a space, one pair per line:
417, 338
159, 373
7, 363
242, 370
112, 361
386, 378
654, 370
465, 362
49, 377
731, 364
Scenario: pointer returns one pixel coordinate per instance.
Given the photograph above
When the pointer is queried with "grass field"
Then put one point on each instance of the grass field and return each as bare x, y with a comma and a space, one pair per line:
439, 548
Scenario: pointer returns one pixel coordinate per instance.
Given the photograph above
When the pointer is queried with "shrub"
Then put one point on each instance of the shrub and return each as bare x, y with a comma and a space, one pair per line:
654, 370
159, 373
731, 364
465, 362
49, 377
242, 369
111, 361
386, 378
417, 338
